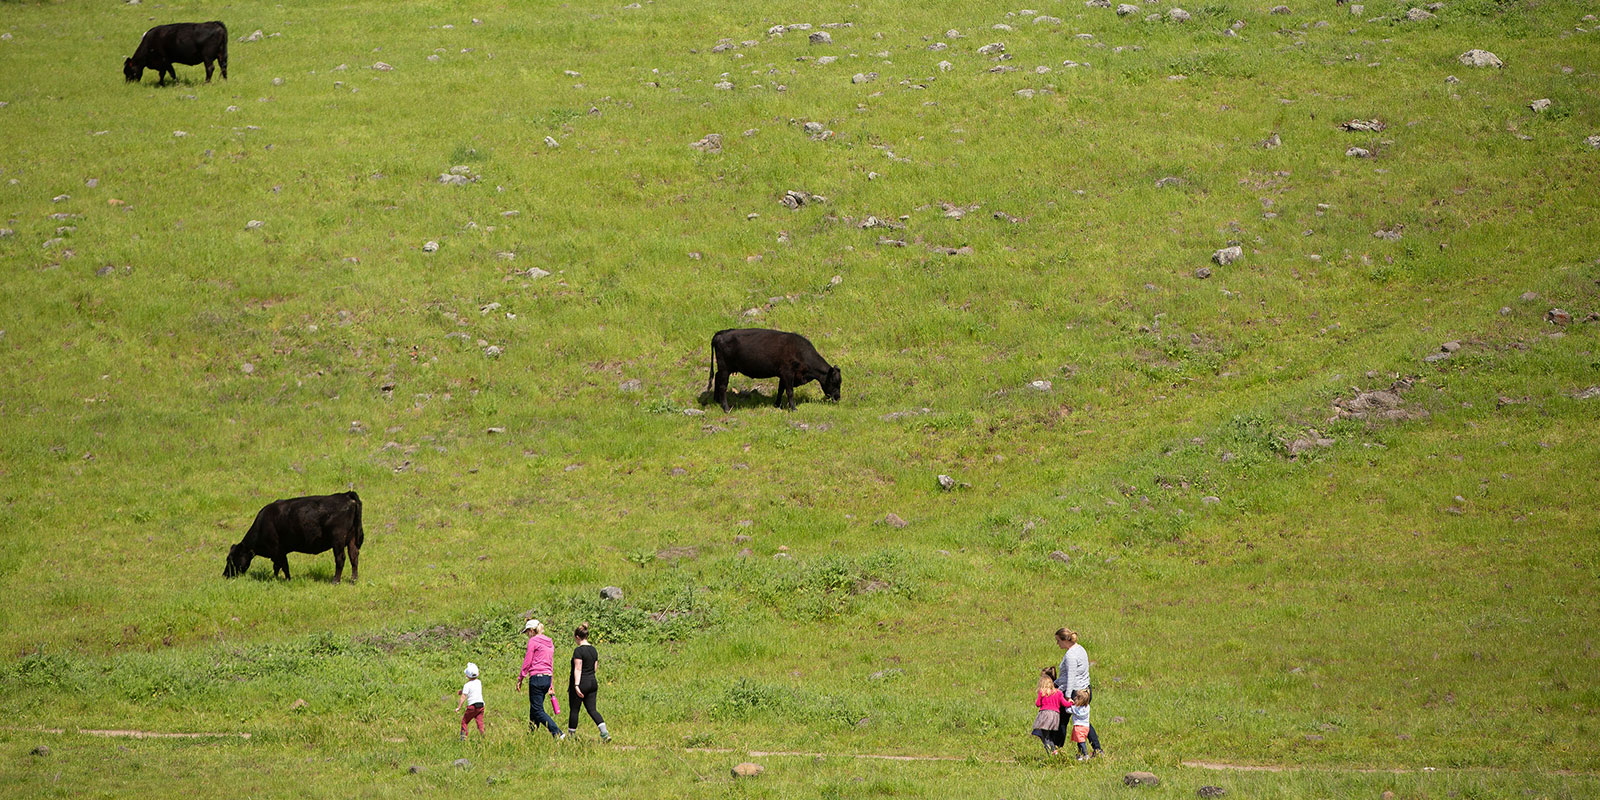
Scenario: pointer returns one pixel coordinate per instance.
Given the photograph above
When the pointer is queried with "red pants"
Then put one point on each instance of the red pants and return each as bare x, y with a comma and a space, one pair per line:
474, 712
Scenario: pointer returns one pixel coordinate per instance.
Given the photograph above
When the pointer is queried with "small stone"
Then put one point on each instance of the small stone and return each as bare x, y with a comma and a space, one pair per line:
1480, 58
92, 183
415, 769
1358, 152
430, 247
247, 368
1557, 316
1528, 297
382, 67
893, 520
1540, 105
1040, 385
1211, 499
630, 385
1593, 141
1418, 15
611, 593
820, 37
1124, 10
493, 351
992, 49
747, 769
1203, 273
1505, 311
1228, 255
946, 482
1178, 15
1140, 779
1057, 555
1450, 347
1271, 142
461, 763
549, 141
863, 77
253, 224
1210, 791
710, 143
299, 703
41, 750
1281, 10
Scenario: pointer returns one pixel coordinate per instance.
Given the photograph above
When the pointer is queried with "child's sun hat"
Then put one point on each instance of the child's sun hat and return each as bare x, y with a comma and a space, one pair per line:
471, 670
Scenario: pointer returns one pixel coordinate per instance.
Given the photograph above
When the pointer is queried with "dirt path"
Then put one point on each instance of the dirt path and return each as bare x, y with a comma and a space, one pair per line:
131, 734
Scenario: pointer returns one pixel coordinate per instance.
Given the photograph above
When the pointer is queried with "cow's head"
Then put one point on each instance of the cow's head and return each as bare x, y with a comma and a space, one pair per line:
239, 558
133, 72
830, 384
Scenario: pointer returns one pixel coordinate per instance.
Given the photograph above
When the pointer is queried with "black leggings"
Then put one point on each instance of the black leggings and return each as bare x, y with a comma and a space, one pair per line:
588, 703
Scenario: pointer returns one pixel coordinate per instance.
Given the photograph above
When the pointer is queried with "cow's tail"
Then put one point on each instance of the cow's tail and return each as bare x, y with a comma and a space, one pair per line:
711, 380
361, 534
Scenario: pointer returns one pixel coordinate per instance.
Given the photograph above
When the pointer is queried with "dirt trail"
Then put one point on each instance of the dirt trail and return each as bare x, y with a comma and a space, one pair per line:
132, 734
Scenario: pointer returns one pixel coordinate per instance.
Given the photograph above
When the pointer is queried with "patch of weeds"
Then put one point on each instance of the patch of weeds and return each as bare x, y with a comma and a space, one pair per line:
39, 669
660, 405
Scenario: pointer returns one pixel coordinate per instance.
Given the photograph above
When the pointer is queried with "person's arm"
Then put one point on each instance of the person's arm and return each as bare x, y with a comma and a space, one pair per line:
1038, 702
577, 672
461, 698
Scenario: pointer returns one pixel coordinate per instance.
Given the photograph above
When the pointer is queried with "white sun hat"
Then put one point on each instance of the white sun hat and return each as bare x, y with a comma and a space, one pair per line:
471, 670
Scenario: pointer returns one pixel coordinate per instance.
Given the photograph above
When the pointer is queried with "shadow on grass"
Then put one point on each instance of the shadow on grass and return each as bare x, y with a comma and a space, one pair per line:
319, 573
750, 399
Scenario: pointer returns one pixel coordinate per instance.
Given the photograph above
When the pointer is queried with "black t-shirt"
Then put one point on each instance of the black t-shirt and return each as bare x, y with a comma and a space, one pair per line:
588, 657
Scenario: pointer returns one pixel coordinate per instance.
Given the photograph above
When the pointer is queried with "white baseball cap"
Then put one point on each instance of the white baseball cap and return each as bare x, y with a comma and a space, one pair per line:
531, 624
471, 670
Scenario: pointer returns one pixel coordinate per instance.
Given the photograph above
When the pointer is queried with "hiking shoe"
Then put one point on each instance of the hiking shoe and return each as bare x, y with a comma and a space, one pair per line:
1082, 757
1098, 753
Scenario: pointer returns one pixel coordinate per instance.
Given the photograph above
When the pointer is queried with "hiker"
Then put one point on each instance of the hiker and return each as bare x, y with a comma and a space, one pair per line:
1079, 706
581, 686
1050, 702
1074, 677
472, 696
538, 668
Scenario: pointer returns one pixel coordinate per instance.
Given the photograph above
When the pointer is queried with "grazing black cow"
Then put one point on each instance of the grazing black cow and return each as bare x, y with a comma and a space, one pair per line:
179, 43
302, 525
761, 353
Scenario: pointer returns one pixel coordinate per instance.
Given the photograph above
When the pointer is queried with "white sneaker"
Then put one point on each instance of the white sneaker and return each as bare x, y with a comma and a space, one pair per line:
562, 736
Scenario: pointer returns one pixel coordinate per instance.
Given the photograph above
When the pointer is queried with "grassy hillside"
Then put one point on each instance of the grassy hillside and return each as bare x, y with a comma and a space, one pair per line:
220, 294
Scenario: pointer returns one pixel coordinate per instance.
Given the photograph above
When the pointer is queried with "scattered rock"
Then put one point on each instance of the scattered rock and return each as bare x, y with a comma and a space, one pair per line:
253, 224
863, 77
1271, 142
1210, 791
1383, 404
1057, 555
992, 49
1368, 125
1228, 255
430, 246
710, 143
41, 750
611, 593
1211, 500
550, 142
1125, 9
298, 704
255, 36
1593, 141
1169, 180
1177, 15
493, 351
1140, 779
1528, 297
1358, 152
893, 520
461, 763
747, 769
247, 368
1280, 10
1040, 385
382, 67
947, 483
630, 385
1557, 316
415, 769
1308, 443
1540, 105
820, 37
1480, 58
1418, 15
884, 674
1203, 273
1045, 19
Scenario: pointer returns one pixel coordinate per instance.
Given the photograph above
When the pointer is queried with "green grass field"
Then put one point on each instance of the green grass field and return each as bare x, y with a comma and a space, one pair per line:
1403, 605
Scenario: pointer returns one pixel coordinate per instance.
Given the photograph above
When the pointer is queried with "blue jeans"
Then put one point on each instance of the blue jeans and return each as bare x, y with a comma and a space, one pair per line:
538, 685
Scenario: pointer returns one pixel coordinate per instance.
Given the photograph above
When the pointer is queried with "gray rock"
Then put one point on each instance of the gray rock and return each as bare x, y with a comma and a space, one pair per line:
1358, 152
1178, 15
415, 769
1228, 255
1435, 358
747, 769
1271, 142
1057, 555
1281, 10
893, 520
1593, 141
863, 77
1540, 105
948, 483
454, 180
710, 143
1040, 385
41, 750
1480, 58
253, 224
1418, 15
611, 593
256, 36
1556, 316
1210, 791
1169, 181
550, 142
430, 247
493, 351
382, 67
1364, 125
821, 37
630, 385
1140, 779
461, 763
1046, 19
992, 49
1124, 10
1211, 499
247, 368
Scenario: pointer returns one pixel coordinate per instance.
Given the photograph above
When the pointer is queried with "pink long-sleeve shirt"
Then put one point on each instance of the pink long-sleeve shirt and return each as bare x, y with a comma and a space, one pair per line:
1055, 701
540, 659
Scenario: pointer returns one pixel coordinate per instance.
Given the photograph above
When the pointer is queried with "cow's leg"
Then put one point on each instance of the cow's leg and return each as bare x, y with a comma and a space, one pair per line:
355, 557
222, 61
338, 564
208, 72
280, 564
783, 386
721, 394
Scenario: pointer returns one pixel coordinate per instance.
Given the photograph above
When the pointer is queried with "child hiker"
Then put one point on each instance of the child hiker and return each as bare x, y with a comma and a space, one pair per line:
472, 696
1050, 702
1080, 723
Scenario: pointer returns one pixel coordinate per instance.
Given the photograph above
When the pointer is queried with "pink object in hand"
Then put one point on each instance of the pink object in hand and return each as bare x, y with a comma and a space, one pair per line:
555, 706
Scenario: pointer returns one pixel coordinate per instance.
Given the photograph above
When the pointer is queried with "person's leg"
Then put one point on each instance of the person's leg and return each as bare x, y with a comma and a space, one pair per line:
464, 718
1094, 740
573, 702
479, 717
537, 687
591, 701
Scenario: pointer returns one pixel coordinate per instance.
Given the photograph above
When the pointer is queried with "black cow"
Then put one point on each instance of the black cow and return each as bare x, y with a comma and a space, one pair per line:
302, 525
179, 43
761, 353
